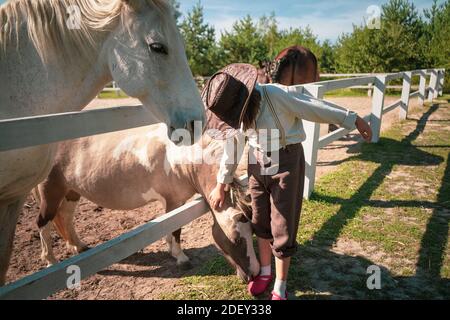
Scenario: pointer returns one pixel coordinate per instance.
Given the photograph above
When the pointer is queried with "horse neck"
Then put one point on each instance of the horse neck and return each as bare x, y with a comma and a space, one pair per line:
72, 84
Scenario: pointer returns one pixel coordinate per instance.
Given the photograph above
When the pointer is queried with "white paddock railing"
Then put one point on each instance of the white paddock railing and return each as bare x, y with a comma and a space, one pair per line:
31, 131
379, 81
369, 87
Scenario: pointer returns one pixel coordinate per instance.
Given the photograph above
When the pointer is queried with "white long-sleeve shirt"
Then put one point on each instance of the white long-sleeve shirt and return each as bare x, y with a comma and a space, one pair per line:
291, 108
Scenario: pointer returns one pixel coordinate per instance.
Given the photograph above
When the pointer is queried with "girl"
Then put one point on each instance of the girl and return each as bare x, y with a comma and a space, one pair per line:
270, 117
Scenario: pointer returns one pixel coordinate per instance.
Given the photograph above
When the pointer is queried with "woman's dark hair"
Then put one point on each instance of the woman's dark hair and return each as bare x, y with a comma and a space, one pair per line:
249, 120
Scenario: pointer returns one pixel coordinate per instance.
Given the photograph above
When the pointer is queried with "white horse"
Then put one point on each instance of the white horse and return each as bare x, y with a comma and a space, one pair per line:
128, 169
56, 56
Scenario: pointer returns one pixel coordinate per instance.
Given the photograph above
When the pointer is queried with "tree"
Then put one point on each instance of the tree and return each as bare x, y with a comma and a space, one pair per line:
200, 42
327, 58
359, 51
244, 43
268, 29
395, 47
436, 42
402, 27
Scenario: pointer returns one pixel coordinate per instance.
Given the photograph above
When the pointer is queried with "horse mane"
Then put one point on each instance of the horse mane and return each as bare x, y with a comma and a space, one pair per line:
290, 56
46, 23
240, 198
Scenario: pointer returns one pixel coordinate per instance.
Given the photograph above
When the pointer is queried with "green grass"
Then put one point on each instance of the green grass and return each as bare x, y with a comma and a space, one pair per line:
389, 206
112, 95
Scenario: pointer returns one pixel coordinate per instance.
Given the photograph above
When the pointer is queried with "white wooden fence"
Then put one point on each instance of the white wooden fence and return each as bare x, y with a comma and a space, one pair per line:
380, 81
112, 87
25, 132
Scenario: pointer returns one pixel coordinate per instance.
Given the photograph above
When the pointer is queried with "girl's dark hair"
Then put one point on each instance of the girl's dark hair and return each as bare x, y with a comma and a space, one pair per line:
249, 120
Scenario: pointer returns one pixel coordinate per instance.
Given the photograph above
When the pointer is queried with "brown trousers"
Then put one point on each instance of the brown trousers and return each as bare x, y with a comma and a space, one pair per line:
277, 197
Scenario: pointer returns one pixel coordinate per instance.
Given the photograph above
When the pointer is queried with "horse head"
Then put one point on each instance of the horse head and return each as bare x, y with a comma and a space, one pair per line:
232, 233
147, 59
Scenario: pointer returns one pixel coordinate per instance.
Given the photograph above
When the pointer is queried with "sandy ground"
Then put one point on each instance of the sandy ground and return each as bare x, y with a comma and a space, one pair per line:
151, 271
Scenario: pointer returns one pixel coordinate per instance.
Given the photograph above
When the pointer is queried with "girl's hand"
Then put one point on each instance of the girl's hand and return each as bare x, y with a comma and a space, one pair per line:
217, 196
364, 129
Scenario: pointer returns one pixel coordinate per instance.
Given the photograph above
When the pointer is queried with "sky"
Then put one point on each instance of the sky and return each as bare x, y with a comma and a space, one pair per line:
327, 18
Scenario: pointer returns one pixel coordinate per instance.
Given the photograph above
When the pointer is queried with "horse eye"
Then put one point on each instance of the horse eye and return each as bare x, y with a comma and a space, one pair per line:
158, 48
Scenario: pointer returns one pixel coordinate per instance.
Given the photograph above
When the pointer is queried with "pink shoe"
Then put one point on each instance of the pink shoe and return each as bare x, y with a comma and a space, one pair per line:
277, 297
259, 284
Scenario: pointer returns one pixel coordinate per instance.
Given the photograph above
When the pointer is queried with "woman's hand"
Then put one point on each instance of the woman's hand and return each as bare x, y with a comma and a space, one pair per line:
364, 129
217, 196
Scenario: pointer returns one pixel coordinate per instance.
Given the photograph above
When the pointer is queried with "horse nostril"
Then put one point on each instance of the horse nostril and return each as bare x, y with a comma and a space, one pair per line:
170, 131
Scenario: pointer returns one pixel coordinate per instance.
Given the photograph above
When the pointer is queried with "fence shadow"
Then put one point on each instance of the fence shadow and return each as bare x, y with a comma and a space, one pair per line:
324, 270
162, 265
341, 276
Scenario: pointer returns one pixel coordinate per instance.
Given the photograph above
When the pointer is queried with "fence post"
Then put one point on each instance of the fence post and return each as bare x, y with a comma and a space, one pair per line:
406, 90
369, 91
311, 144
422, 87
377, 106
433, 85
441, 82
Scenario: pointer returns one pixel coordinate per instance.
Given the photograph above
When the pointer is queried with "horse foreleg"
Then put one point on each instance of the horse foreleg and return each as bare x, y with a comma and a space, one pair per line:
47, 245
63, 223
174, 242
9, 214
47, 254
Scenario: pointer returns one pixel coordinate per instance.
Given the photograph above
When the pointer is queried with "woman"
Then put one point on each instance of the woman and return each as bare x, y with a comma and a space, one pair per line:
270, 117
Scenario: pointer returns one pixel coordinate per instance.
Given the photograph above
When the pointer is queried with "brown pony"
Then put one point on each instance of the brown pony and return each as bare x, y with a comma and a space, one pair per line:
293, 65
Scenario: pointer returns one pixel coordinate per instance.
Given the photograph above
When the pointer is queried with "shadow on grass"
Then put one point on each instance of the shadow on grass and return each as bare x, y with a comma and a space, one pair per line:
319, 269
317, 272
344, 276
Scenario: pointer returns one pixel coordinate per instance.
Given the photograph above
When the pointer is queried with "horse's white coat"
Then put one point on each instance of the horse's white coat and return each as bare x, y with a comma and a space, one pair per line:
46, 245
177, 155
225, 218
29, 86
175, 250
244, 230
128, 145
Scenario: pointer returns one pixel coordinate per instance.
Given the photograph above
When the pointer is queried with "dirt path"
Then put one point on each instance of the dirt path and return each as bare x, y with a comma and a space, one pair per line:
151, 271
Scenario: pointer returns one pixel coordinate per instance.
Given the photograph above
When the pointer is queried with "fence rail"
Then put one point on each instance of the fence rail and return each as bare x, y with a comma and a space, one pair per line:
33, 131
25, 132
43, 283
380, 83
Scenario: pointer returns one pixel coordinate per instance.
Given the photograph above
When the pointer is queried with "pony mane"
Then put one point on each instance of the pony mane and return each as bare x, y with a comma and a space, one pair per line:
46, 23
287, 57
240, 198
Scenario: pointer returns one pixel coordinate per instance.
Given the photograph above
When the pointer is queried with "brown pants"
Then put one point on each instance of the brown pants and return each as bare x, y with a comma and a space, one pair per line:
277, 198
